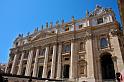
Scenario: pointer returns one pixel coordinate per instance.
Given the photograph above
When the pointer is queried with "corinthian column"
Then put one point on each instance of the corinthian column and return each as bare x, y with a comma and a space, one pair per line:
20, 64
14, 64
29, 63
36, 64
59, 65
44, 75
73, 62
53, 62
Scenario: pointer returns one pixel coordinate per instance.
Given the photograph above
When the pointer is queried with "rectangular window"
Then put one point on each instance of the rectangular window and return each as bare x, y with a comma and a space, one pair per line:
42, 52
26, 55
40, 71
82, 46
99, 20
80, 26
66, 59
40, 60
66, 48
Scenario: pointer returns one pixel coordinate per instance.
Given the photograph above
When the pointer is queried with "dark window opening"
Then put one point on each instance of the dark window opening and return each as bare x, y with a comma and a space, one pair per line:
107, 67
100, 20
26, 55
51, 50
16, 44
48, 75
66, 71
67, 29
34, 53
23, 71
40, 72
80, 26
53, 31
42, 52
66, 58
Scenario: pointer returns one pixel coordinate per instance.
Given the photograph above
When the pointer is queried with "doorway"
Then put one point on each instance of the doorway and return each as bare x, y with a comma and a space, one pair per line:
107, 67
66, 71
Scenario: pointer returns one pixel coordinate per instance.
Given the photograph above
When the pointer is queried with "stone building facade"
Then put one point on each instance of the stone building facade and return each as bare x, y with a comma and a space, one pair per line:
81, 50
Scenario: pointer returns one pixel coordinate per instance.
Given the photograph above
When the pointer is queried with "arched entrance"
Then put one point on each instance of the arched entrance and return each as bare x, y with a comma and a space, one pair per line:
107, 67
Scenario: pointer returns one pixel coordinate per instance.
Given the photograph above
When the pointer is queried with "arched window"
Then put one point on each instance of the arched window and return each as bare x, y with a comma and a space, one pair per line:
103, 43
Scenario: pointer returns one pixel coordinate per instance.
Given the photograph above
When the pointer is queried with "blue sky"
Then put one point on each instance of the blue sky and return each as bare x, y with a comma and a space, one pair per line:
22, 16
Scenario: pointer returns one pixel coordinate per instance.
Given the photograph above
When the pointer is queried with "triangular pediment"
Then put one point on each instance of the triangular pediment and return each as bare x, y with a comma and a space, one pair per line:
42, 35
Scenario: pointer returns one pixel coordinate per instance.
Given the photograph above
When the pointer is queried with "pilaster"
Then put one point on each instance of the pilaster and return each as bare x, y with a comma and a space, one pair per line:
117, 52
44, 75
59, 63
90, 64
36, 64
73, 61
53, 62
29, 63
20, 64
14, 64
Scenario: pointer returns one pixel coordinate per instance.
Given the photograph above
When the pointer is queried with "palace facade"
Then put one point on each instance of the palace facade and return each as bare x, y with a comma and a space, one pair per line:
84, 50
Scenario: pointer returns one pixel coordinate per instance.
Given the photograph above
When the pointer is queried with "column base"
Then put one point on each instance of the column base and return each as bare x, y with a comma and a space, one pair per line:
58, 78
91, 79
72, 80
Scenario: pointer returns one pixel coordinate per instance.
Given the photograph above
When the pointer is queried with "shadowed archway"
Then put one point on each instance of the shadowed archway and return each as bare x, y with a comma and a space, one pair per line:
107, 66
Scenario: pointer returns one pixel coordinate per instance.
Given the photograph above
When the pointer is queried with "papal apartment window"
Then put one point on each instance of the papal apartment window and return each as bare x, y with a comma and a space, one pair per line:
103, 43
99, 20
